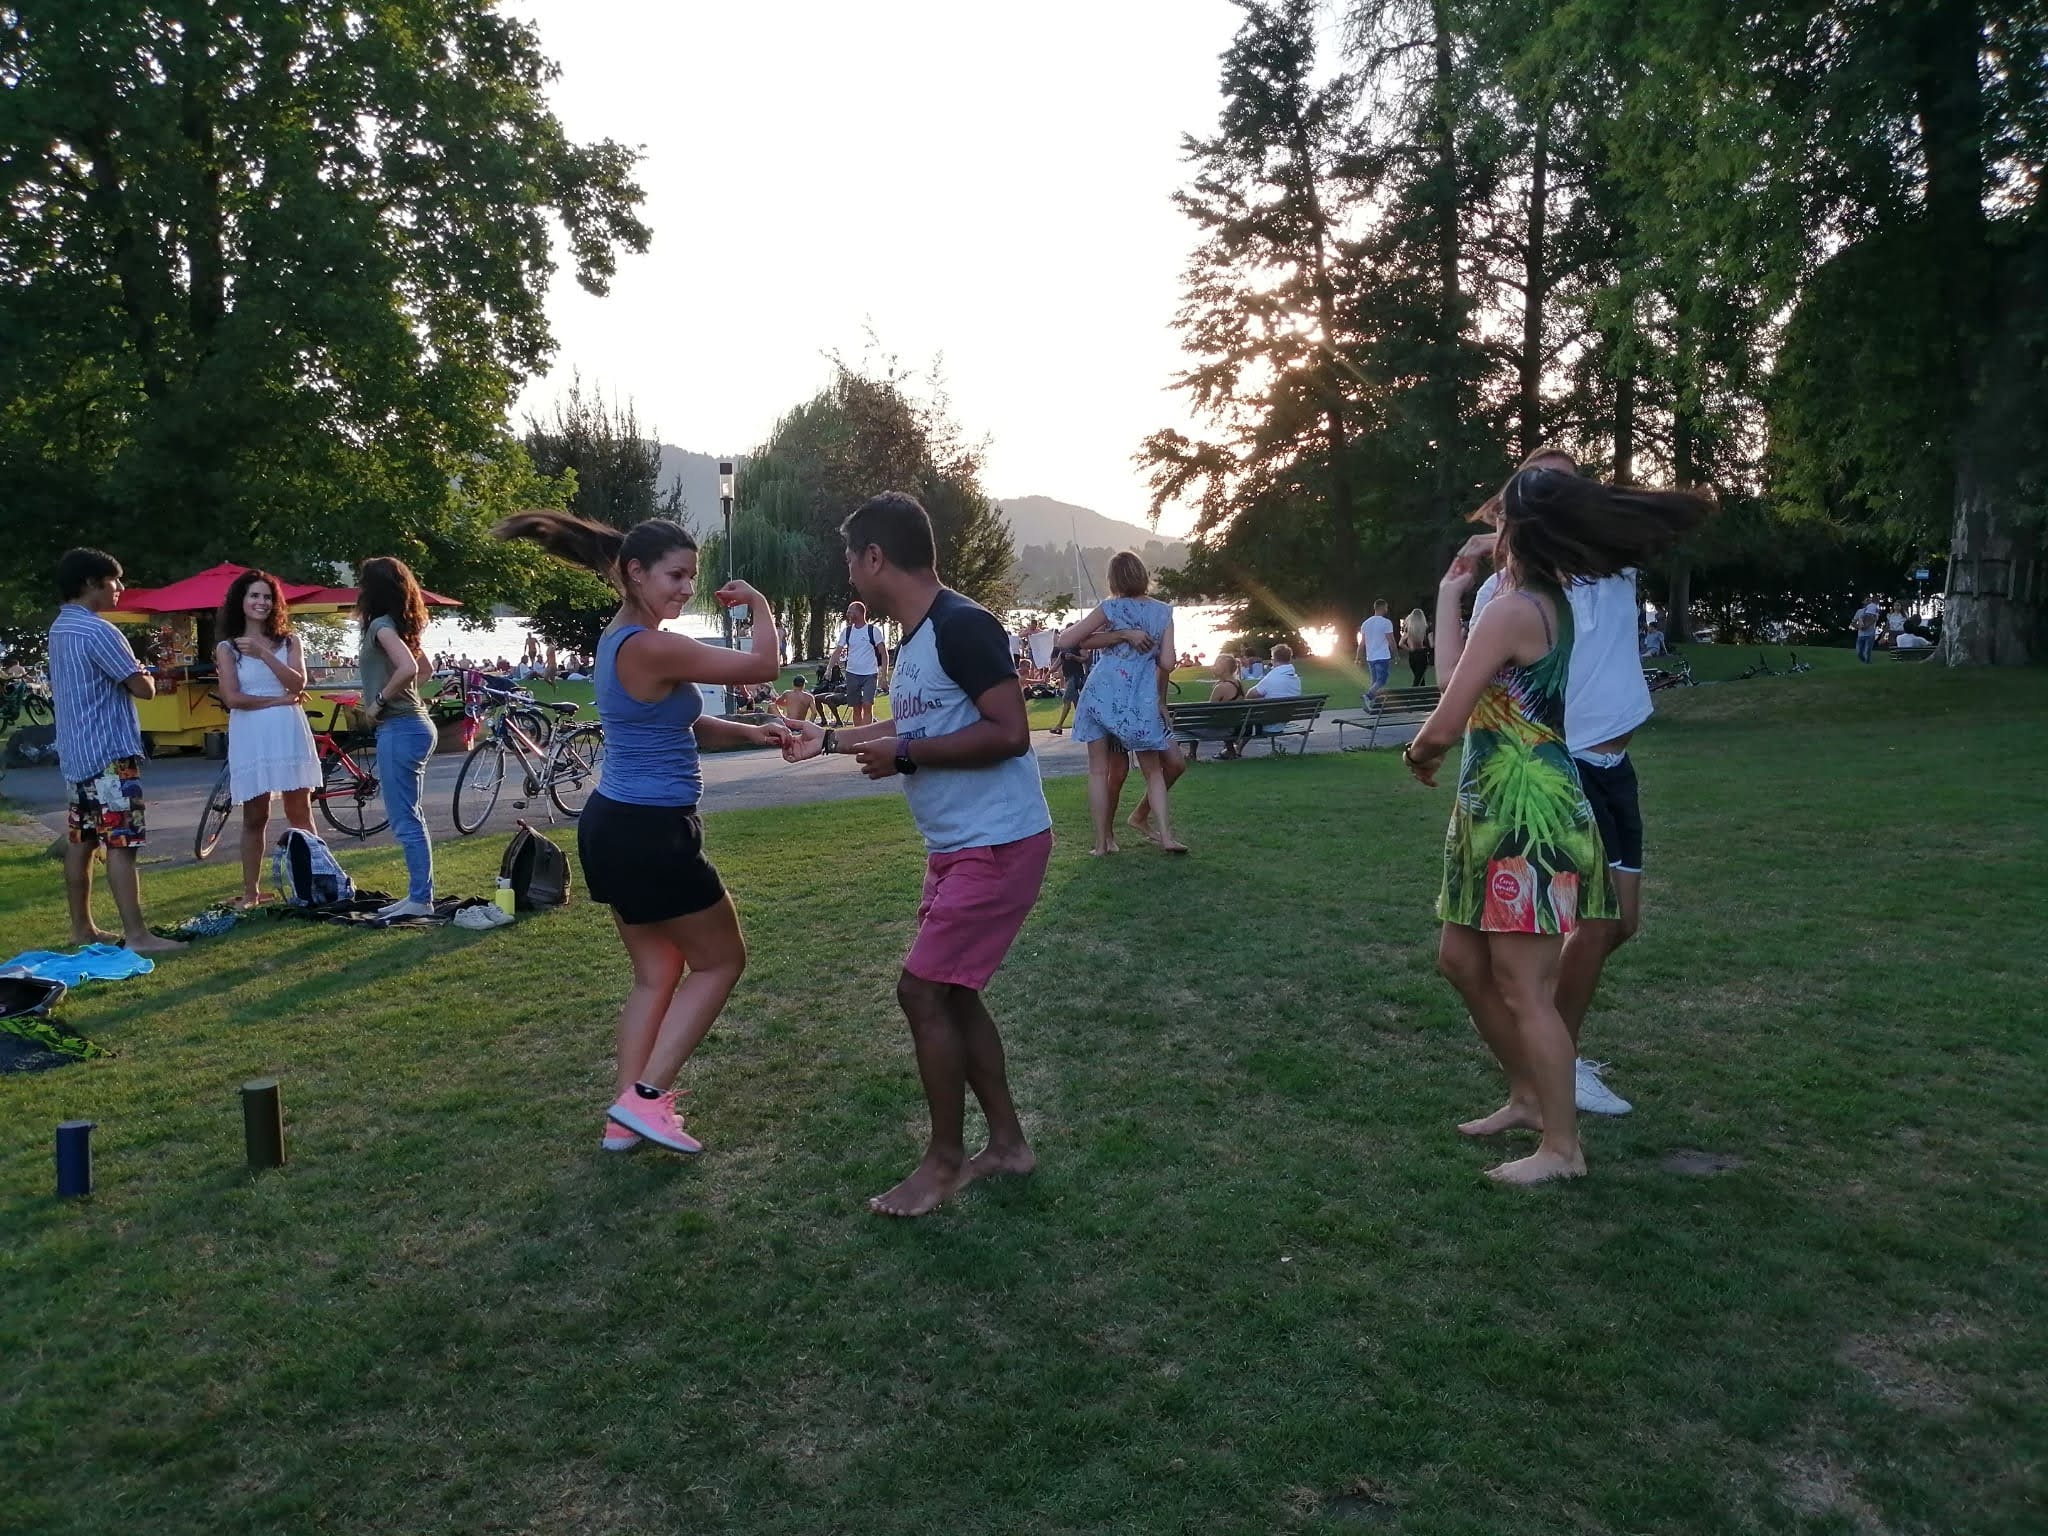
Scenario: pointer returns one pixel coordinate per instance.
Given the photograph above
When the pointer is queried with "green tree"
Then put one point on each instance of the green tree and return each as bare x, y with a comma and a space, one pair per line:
597, 451
271, 274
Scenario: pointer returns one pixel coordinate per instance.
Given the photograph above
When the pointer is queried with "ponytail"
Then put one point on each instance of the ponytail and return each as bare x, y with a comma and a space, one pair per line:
596, 546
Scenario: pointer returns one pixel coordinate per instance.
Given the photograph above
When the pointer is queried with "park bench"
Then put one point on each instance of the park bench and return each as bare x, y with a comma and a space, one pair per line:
1392, 709
1275, 721
1913, 653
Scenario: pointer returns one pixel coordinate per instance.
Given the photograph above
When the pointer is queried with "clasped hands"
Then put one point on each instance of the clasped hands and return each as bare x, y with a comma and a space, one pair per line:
877, 757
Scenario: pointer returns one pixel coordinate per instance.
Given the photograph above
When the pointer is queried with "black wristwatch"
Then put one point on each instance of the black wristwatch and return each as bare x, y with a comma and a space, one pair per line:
905, 763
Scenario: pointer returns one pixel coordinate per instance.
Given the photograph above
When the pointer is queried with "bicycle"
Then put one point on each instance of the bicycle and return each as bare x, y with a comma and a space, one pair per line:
348, 784
498, 696
566, 769
1763, 668
22, 698
1798, 666
1675, 676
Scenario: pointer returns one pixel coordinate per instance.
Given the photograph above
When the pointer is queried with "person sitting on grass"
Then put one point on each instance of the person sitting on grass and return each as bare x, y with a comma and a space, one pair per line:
262, 680
94, 683
796, 702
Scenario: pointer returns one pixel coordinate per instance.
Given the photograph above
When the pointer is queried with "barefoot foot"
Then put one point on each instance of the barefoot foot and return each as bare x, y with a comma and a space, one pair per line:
246, 903
1174, 847
1142, 825
95, 936
930, 1185
1539, 1167
992, 1160
150, 944
1099, 852
1509, 1117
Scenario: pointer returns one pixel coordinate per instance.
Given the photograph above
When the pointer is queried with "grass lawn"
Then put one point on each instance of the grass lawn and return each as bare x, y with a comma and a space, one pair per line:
1258, 1284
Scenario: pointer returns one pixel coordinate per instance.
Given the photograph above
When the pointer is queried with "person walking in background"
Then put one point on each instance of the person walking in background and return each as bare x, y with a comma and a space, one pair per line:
961, 741
1415, 645
1865, 625
393, 613
639, 838
1523, 858
261, 674
866, 658
1073, 678
1122, 708
1376, 646
94, 683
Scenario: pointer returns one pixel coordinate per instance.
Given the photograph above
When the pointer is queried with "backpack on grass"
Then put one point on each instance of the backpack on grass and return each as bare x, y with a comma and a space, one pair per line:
538, 870
307, 874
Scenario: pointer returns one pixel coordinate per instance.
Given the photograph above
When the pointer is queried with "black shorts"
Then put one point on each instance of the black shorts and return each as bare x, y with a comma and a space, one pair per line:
1617, 812
646, 862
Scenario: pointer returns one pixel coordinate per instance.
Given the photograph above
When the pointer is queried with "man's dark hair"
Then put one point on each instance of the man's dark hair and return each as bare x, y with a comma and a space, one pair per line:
82, 568
896, 523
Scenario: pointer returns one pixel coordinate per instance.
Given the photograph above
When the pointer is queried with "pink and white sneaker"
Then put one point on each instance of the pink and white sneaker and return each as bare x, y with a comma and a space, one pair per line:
655, 1119
617, 1138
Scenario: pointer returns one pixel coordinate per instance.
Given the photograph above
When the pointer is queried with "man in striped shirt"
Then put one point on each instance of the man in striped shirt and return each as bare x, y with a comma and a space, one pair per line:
94, 683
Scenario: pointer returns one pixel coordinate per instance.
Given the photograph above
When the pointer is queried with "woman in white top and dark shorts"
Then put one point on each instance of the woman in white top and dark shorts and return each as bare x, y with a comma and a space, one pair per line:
639, 838
261, 674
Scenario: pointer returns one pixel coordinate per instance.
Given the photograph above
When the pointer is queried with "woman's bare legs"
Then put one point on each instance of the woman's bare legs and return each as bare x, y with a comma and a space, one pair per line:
1153, 766
255, 843
298, 809
1525, 971
1101, 799
1466, 961
683, 971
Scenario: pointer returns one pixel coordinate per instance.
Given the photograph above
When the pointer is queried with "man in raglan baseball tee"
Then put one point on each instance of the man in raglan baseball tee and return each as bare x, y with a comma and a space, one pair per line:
960, 739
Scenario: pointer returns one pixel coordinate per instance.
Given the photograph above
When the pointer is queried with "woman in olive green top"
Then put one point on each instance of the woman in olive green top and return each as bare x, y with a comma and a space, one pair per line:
393, 613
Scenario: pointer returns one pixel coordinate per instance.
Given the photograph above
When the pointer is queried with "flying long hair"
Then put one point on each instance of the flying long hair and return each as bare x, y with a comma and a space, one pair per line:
230, 622
1559, 528
387, 589
598, 546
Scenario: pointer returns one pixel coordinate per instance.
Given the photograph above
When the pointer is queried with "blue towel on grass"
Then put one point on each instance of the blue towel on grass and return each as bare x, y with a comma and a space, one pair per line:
95, 962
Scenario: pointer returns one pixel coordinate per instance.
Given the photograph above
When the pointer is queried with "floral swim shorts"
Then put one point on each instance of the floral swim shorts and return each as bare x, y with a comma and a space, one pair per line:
107, 809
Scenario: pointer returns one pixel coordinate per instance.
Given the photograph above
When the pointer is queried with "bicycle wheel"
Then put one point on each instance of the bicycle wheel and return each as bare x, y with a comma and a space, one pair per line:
477, 786
348, 793
37, 708
574, 767
538, 724
213, 819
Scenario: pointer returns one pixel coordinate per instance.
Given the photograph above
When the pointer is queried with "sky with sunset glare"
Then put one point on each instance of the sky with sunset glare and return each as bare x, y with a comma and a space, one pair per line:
985, 186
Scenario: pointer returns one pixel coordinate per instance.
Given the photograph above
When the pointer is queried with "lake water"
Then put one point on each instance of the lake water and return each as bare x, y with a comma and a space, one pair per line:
1197, 630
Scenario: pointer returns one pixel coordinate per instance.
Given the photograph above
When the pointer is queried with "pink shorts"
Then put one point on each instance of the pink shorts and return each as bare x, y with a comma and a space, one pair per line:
974, 905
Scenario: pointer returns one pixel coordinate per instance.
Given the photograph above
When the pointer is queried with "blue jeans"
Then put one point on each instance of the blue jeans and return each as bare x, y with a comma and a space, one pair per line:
403, 747
1865, 644
1380, 670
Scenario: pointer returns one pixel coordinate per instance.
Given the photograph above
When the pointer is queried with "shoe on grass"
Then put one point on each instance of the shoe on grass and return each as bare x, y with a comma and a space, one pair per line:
619, 1138
655, 1119
1595, 1097
405, 908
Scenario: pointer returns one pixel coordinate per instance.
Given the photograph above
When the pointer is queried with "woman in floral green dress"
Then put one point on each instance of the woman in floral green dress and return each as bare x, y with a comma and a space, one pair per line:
1522, 859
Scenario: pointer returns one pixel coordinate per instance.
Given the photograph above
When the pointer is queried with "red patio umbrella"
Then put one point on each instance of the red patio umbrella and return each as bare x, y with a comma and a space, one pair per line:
201, 593
345, 597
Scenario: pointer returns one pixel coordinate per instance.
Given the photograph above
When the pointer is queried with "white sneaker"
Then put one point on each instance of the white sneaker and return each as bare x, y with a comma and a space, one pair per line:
1595, 1097
406, 908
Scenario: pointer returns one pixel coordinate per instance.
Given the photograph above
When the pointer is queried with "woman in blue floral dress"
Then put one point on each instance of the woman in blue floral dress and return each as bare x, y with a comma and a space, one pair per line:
1123, 703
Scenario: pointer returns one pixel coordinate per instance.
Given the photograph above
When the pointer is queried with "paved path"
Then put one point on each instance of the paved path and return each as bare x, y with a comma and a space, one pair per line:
178, 786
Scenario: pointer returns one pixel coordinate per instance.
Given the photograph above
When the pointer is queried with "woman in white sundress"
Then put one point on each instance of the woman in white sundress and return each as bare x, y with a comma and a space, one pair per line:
262, 680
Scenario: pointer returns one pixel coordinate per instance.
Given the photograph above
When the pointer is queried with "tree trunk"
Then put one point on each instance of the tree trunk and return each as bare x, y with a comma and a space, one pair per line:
1684, 465
1992, 613
1450, 305
1535, 289
1625, 428
814, 644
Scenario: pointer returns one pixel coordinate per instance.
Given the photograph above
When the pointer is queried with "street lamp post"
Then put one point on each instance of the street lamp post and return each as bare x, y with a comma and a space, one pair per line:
725, 510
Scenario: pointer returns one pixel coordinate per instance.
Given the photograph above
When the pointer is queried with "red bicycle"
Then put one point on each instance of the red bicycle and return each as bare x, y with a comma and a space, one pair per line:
347, 795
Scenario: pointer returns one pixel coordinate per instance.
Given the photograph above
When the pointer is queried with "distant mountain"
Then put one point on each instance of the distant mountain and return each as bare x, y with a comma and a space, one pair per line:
699, 474
1041, 520
1042, 528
